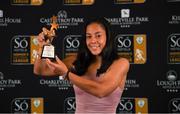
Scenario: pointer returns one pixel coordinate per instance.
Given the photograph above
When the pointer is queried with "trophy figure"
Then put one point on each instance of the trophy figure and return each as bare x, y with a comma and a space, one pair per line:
48, 50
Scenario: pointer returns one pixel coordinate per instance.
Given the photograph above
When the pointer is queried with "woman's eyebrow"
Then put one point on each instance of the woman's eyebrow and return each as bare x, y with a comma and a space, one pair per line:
88, 33
98, 32
94, 33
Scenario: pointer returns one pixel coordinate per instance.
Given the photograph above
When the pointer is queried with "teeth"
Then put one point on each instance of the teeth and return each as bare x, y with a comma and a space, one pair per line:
94, 47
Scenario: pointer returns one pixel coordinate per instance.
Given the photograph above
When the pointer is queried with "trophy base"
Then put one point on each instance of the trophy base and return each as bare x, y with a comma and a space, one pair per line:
48, 51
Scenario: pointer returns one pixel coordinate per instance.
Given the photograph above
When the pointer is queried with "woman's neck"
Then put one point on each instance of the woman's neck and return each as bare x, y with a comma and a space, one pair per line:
98, 59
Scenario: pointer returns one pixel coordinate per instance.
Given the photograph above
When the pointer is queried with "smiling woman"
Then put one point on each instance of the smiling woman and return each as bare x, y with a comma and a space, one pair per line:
95, 38
97, 73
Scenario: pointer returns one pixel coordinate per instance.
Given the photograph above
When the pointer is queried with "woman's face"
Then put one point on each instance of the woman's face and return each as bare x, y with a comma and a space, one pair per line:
95, 38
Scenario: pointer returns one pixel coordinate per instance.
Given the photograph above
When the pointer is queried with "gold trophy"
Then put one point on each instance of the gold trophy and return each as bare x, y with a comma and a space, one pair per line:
48, 50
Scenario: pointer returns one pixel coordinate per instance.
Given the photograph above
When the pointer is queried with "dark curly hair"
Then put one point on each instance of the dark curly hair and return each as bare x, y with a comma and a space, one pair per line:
84, 56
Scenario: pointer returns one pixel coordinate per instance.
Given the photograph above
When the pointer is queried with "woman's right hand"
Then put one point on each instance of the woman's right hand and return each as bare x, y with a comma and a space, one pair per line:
41, 40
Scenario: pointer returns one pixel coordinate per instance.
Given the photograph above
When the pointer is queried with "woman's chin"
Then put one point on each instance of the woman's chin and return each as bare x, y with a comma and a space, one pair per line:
95, 53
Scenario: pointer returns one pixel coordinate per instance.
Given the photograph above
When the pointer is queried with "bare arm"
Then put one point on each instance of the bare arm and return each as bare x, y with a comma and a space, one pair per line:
40, 65
115, 76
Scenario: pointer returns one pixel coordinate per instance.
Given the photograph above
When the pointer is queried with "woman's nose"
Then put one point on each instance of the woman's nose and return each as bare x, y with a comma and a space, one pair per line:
93, 39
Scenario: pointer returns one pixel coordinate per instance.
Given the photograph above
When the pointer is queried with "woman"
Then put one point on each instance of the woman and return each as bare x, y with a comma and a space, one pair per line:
98, 75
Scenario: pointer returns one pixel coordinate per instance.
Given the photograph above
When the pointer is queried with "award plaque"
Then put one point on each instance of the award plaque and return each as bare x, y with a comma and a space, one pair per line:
48, 50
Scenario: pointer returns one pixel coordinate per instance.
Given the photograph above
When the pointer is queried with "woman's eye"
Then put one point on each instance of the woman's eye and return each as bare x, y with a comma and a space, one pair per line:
88, 37
98, 36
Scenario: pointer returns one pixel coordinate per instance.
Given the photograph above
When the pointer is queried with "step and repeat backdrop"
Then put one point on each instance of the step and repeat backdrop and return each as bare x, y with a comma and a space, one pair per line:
147, 32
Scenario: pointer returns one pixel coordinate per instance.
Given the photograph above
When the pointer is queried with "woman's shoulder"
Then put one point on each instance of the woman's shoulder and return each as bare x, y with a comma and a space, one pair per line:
121, 61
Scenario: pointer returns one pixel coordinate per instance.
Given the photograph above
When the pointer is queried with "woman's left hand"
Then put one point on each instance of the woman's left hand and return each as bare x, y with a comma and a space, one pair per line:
57, 67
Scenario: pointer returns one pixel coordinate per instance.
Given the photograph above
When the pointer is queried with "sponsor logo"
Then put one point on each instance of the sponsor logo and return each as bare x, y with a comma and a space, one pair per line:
173, 0
27, 2
60, 83
133, 105
125, 13
171, 84
27, 105
8, 83
173, 49
174, 105
63, 20
78, 2
128, 1
4, 21
131, 84
132, 47
126, 20
23, 49
71, 45
69, 105
174, 19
